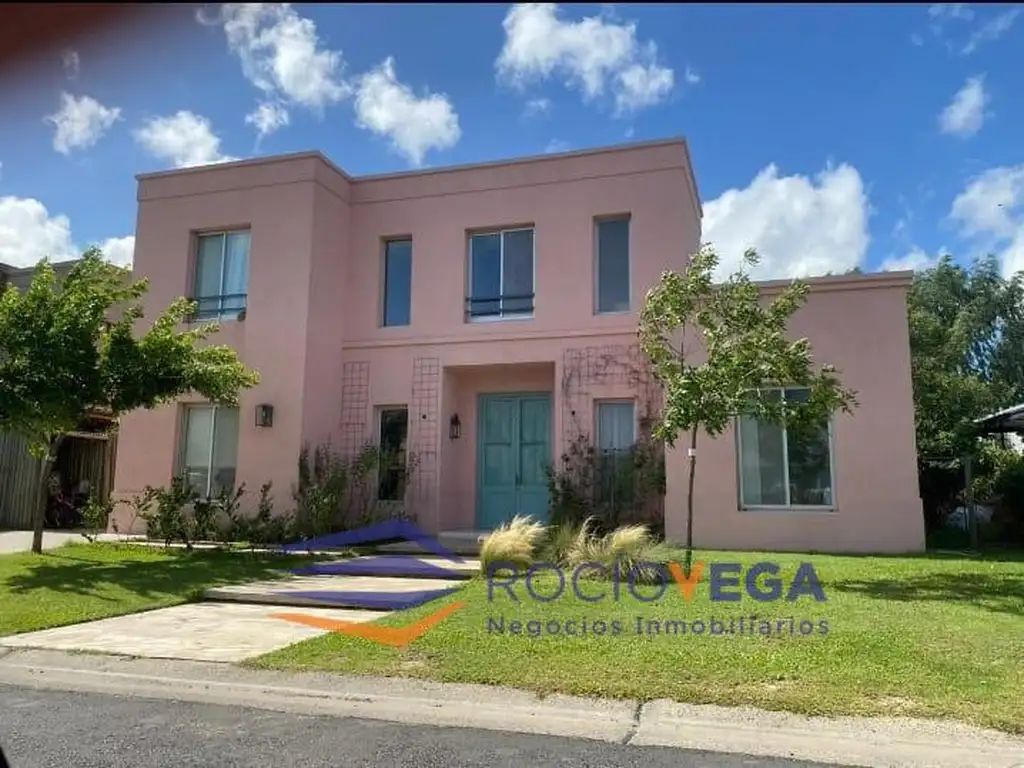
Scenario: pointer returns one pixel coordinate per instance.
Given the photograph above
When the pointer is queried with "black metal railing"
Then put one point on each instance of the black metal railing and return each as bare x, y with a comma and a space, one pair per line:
499, 306
228, 306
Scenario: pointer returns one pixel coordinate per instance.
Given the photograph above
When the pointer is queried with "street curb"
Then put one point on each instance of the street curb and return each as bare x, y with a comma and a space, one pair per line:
889, 742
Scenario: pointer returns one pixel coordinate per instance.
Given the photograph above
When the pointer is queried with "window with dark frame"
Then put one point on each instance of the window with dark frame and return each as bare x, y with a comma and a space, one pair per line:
501, 274
209, 448
221, 280
397, 299
612, 266
394, 432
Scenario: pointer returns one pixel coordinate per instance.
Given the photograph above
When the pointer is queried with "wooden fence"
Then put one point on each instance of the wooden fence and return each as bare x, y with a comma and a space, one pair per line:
81, 457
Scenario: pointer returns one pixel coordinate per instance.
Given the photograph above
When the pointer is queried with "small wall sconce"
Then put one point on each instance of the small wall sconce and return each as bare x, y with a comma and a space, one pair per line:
454, 427
264, 415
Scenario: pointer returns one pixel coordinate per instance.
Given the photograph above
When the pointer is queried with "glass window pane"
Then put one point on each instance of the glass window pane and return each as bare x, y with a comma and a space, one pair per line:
613, 265
394, 429
615, 426
209, 264
485, 274
397, 282
762, 468
810, 461
517, 276
225, 449
236, 271
198, 430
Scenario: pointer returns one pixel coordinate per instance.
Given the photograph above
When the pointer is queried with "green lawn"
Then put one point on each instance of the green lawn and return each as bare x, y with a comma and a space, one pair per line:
918, 636
81, 582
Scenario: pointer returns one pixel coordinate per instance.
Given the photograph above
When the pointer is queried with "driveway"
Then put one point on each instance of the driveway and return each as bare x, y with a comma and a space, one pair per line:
21, 541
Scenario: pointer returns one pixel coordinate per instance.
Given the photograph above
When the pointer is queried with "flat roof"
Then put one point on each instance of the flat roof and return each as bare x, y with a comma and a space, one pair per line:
513, 161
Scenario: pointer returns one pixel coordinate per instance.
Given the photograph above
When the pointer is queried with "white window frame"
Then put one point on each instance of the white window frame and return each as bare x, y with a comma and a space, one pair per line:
222, 313
183, 443
598, 220
502, 316
381, 409
785, 466
384, 281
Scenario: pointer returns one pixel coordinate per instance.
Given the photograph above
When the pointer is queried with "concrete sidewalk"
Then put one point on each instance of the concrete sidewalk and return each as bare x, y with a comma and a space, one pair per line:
888, 742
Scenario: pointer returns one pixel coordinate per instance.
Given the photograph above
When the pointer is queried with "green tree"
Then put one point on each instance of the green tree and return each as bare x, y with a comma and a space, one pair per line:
69, 348
967, 353
719, 351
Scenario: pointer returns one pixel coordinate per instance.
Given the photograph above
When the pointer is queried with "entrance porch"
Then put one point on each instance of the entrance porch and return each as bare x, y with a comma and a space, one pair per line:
493, 464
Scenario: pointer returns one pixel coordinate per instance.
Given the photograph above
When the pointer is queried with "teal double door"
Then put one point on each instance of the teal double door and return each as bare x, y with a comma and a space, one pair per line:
513, 450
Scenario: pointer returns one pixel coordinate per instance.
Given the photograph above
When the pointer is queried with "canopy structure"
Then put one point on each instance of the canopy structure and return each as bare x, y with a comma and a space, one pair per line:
1006, 421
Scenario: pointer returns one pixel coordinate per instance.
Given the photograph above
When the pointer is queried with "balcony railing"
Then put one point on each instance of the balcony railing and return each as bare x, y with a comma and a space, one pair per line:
506, 305
226, 307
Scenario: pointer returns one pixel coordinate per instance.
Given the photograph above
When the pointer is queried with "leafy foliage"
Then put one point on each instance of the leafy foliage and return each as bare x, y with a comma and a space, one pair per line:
71, 347
719, 351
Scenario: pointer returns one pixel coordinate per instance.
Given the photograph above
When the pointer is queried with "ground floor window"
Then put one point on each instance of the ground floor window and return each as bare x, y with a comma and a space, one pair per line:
782, 468
209, 456
616, 436
392, 438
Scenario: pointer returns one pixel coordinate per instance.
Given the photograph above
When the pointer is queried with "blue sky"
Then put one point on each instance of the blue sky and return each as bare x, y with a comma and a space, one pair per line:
825, 136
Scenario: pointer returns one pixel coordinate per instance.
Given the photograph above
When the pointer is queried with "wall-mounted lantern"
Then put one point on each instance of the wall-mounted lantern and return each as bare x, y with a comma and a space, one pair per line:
454, 427
264, 415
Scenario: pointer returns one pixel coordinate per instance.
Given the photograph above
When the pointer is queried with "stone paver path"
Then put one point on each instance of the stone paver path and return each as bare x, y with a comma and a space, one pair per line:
224, 632
21, 541
379, 593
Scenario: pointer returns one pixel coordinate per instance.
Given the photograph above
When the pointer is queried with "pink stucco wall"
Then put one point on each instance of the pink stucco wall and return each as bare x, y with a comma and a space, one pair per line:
312, 327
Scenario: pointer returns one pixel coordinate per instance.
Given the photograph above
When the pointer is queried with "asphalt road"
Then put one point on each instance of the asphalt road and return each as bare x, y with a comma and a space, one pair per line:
58, 729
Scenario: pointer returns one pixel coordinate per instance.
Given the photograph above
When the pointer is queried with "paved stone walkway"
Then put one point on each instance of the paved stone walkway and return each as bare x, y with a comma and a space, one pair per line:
224, 632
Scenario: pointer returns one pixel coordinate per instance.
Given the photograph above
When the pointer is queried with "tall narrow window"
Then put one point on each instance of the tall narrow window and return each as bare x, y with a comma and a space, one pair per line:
394, 432
501, 275
785, 468
612, 265
616, 436
209, 455
221, 282
397, 282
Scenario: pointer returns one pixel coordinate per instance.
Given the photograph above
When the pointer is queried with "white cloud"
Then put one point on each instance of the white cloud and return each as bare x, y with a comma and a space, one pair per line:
990, 211
28, 233
71, 62
597, 55
80, 122
966, 113
692, 76
537, 108
267, 118
184, 139
415, 125
990, 31
555, 146
916, 259
282, 55
800, 226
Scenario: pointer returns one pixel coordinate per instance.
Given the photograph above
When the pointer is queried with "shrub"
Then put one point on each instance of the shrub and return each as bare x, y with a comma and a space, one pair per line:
608, 490
631, 549
515, 542
95, 516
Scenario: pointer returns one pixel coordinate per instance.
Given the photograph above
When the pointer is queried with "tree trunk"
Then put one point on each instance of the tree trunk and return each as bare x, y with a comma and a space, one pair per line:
692, 454
42, 495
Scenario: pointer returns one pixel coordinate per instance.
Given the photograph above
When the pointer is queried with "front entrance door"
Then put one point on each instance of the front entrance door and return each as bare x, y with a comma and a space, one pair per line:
513, 449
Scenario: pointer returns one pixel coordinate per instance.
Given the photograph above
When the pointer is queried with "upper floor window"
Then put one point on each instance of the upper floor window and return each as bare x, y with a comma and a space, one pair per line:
222, 275
397, 298
209, 448
784, 468
612, 270
501, 274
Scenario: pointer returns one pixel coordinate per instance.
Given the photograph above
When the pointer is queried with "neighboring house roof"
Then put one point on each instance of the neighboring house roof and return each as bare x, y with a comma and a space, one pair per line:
1004, 421
21, 277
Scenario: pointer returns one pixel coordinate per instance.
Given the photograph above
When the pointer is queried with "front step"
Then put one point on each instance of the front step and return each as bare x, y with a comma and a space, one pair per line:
403, 566
465, 543
374, 593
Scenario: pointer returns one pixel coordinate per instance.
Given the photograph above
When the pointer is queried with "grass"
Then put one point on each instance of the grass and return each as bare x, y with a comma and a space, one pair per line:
82, 582
918, 636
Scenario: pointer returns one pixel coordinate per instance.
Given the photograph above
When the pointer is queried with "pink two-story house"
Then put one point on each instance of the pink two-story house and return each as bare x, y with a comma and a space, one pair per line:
482, 317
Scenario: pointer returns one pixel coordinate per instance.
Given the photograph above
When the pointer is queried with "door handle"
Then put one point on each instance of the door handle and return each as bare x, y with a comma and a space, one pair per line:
519, 481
